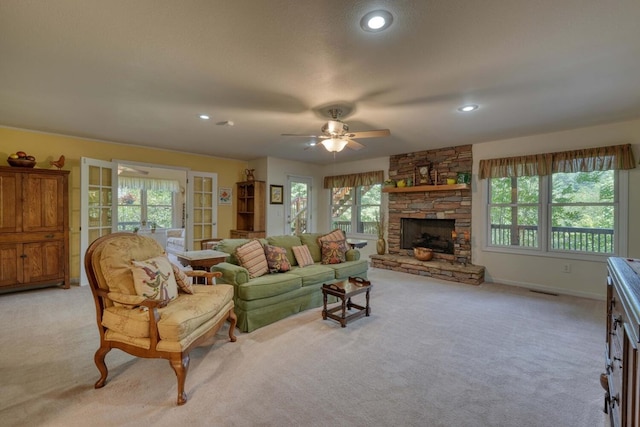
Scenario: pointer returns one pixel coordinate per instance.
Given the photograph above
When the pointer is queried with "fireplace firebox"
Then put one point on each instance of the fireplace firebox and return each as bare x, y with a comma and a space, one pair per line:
427, 233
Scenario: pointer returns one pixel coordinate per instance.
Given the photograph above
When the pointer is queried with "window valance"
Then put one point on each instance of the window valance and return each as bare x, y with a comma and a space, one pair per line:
148, 183
615, 157
354, 179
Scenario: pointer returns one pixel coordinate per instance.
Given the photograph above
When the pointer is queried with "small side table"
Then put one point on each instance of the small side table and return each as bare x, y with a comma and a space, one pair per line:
344, 291
356, 244
201, 260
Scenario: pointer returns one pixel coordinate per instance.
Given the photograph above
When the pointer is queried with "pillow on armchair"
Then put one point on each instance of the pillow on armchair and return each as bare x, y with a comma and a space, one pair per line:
154, 278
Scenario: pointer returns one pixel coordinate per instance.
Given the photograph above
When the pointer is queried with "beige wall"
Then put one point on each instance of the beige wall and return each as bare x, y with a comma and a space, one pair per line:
46, 147
587, 278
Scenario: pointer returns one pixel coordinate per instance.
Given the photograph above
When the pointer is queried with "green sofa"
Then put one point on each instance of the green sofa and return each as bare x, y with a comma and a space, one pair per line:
269, 298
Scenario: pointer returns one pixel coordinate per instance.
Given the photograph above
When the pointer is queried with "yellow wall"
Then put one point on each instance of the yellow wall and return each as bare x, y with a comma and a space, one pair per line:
45, 147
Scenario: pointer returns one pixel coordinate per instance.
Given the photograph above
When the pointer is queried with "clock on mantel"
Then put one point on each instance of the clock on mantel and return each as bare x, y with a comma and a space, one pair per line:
425, 174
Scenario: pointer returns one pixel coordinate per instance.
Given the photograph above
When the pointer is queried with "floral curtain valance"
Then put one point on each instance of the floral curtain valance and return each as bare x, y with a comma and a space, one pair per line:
148, 183
615, 157
354, 179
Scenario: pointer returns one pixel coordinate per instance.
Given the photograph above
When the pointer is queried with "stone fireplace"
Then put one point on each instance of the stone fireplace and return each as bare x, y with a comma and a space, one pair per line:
435, 215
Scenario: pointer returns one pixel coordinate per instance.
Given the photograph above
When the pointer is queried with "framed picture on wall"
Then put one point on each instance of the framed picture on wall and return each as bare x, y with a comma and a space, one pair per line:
275, 194
224, 196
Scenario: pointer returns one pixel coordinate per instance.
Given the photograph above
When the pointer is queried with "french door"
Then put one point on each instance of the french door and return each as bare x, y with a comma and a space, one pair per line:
202, 203
98, 184
99, 205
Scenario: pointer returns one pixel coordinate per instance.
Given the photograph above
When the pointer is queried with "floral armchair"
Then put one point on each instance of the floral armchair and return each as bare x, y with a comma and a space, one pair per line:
140, 310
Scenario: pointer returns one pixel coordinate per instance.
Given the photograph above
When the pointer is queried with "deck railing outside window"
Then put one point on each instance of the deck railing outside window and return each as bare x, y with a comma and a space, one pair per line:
597, 240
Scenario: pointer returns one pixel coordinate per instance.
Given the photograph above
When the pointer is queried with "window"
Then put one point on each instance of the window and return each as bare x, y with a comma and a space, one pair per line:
514, 211
355, 209
581, 212
355, 201
562, 203
139, 207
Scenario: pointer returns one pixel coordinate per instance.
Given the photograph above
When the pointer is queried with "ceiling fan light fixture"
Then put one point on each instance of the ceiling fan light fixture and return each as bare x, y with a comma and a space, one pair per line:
334, 145
376, 21
204, 116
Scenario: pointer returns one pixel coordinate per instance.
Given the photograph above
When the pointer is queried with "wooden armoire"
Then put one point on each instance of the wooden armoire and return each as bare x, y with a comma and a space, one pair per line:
34, 228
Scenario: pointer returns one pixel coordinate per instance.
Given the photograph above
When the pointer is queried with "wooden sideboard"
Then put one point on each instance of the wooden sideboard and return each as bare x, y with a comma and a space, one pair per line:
34, 228
621, 379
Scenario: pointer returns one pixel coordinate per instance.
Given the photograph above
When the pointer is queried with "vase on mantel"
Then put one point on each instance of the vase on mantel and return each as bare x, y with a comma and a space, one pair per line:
381, 246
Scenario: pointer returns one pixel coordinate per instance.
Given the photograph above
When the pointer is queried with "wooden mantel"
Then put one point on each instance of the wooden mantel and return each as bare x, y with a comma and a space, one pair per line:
419, 188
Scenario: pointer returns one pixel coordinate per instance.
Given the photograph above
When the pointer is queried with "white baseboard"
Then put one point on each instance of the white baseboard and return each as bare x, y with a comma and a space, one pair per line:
548, 289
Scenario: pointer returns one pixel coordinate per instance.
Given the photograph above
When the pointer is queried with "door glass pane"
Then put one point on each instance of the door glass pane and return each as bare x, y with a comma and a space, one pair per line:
298, 209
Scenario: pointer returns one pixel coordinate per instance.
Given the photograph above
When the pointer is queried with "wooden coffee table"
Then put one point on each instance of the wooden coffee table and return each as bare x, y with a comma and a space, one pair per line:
201, 260
344, 291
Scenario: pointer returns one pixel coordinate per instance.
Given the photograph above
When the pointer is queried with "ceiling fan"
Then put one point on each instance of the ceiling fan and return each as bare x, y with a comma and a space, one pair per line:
336, 135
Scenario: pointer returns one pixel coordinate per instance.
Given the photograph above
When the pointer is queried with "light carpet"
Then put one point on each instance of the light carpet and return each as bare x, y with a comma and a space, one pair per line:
432, 353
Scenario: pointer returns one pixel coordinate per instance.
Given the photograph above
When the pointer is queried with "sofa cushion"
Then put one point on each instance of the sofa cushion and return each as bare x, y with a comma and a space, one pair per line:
333, 252
277, 260
268, 285
303, 256
311, 240
314, 274
154, 278
287, 242
350, 268
183, 281
251, 256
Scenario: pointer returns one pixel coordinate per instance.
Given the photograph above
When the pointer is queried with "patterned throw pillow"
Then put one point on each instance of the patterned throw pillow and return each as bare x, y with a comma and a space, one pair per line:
251, 256
303, 256
333, 252
154, 278
276, 259
335, 236
184, 282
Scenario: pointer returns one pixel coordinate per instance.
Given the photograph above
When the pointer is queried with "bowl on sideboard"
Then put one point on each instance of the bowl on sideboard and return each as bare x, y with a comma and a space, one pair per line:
21, 163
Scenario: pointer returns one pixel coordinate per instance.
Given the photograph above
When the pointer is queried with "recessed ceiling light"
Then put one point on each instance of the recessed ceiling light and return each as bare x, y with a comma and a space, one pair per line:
376, 21
467, 108
204, 117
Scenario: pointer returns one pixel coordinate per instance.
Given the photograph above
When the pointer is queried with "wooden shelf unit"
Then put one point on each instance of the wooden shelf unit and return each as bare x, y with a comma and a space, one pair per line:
423, 188
250, 205
34, 228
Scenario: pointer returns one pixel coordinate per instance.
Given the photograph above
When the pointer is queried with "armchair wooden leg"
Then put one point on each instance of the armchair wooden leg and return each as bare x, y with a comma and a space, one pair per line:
233, 319
102, 367
181, 367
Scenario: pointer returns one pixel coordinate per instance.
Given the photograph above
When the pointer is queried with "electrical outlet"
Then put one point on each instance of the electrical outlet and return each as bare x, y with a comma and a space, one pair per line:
566, 268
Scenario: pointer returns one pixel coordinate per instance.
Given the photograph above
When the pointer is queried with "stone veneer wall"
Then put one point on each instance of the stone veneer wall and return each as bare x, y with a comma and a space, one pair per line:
454, 204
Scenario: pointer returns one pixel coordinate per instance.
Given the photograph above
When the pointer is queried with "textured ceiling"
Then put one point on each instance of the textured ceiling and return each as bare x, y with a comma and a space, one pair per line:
141, 72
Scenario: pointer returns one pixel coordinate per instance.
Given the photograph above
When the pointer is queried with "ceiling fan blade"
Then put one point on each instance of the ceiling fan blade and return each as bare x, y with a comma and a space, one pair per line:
305, 136
354, 145
369, 133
